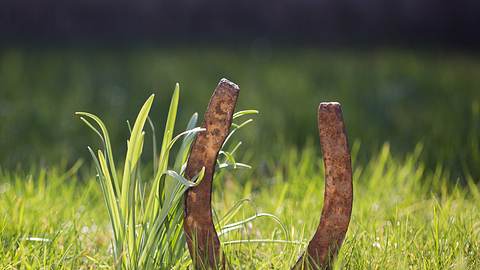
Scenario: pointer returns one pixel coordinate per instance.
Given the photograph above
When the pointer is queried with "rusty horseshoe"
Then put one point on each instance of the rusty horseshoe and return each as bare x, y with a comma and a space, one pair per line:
202, 239
338, 197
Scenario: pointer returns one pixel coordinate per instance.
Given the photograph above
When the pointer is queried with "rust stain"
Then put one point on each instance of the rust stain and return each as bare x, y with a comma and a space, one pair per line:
338, 197
202, 239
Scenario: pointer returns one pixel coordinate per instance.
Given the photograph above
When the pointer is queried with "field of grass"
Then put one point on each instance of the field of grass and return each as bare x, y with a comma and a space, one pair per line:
413, 120
403, 216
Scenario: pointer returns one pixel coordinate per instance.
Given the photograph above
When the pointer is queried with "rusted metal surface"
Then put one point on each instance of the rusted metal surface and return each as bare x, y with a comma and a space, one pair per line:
202, 238
338, 196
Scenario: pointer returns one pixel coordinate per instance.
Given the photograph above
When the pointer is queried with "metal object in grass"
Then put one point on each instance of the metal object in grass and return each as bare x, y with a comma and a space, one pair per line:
338, 197
202, 239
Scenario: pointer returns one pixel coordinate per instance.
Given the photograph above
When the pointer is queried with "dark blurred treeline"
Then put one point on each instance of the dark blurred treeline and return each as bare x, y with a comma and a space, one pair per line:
370, 22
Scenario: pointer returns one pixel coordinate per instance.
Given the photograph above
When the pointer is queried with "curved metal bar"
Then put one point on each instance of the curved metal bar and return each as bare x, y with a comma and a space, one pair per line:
202, 238
338, 196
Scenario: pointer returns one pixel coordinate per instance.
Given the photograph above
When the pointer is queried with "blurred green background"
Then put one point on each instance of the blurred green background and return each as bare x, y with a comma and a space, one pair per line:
405, 97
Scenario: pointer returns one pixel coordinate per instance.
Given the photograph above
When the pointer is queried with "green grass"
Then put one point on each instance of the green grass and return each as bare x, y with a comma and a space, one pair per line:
411, 207
146, 212
403, 217
145, 215
400, 96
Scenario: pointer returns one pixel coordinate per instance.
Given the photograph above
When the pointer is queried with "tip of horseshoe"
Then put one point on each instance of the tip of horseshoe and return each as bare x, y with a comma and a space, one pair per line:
329, 105
230, 84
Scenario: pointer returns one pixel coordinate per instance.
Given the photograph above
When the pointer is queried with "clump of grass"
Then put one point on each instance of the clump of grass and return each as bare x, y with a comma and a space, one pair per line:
146, 214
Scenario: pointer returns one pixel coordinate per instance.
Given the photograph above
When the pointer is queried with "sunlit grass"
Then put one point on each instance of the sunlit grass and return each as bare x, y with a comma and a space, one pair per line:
404, 216
146, 212
145, 215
